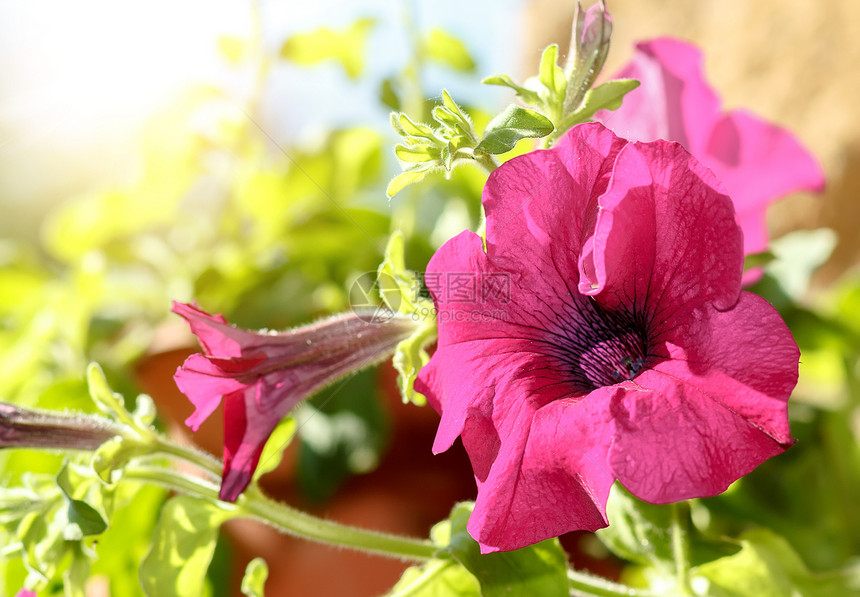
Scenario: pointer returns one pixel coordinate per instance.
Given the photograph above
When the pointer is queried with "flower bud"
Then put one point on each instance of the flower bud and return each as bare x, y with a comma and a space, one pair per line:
25, 428
261, 376
589, 46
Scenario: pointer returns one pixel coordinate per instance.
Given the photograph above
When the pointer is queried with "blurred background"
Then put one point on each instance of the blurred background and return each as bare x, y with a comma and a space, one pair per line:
237, 153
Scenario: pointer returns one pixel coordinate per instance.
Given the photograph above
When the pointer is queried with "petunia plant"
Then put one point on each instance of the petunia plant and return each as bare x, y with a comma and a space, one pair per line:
581, 330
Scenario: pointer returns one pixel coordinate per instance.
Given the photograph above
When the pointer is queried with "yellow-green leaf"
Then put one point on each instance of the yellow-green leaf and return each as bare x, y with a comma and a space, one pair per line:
347, 46
446, 49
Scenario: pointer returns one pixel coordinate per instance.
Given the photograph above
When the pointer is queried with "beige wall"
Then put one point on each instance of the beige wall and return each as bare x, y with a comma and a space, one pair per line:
795, 62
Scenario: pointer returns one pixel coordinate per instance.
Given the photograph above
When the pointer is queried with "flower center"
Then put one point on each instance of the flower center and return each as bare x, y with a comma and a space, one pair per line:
599, 347
611, 360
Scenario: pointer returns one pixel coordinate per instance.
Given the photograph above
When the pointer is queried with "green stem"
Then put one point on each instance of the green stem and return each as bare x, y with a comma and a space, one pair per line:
582, 584
680, 547
413, 89
197, 457
280, 516
298, 523
171, 480
486, 162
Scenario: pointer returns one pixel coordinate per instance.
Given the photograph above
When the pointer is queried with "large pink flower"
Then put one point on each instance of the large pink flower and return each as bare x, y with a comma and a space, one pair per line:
622, 349
757, 161
262, 376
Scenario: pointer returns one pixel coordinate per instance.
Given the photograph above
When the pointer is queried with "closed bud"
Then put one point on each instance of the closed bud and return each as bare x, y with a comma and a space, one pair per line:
26, 428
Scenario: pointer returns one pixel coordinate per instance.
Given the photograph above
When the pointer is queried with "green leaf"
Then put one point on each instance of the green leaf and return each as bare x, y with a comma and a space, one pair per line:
233, 48
409, 357
454, 108
551, 75
182, 548
399, 288
758, 260
405, 126
417, 153
539, 569
799, 254
641, 533
106, 399
144, 411
347, 47
388, 96
445, 49
113, 454
128, 538
446, 118
436, 578
638, 532
608, 96
273, 451
515, 123
83, 519
529, 96
41, 535
76, 575
256, 573
767, 566
403, 180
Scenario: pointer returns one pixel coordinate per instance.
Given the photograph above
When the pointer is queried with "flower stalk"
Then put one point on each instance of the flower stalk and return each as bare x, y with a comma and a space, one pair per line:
295, 522
254, 504
582, 584
680, 547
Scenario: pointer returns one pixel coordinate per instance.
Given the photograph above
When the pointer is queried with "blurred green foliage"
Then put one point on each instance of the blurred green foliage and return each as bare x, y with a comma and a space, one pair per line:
272, 235
219, 212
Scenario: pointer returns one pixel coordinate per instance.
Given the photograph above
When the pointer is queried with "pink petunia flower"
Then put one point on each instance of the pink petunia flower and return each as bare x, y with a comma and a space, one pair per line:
623, 347
262, 376
26, 593
758, 162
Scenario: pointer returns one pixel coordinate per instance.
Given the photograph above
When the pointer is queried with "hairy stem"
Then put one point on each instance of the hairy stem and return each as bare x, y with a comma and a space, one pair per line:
298, 523
253, 504
582, 584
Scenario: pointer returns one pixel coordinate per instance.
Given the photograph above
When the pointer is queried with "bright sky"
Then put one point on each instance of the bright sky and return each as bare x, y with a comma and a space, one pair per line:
79, 78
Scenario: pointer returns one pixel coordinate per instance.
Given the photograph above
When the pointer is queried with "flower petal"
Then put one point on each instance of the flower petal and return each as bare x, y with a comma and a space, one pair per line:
674, 442
759, 163
242, 444
745, 359
673, 102
250, 417
551, 476
204, 383
665, 237
216, 336
537, 204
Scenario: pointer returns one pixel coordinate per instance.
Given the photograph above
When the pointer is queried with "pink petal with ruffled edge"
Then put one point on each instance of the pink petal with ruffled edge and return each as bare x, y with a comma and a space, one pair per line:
658, 248
261, 376
758, 162
654, 240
